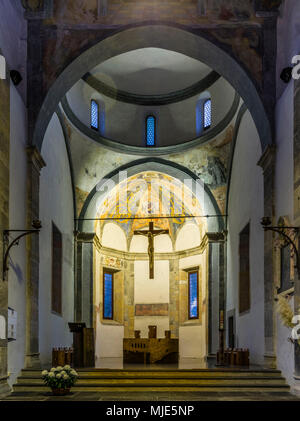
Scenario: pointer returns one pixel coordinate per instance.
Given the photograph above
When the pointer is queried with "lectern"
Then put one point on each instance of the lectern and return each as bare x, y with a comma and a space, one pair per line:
84, 345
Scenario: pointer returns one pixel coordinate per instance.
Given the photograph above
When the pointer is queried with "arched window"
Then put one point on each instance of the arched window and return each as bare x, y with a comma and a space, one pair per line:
150, 130
193, 295
94, 115
199, 117
108, 295
207, 114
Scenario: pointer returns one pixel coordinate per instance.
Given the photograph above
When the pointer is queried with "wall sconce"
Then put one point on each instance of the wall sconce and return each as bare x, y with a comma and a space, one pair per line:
16, 77
282, 230
286, 74
36, 224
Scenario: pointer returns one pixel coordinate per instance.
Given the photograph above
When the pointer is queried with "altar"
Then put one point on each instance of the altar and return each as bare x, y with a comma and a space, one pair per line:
152, 349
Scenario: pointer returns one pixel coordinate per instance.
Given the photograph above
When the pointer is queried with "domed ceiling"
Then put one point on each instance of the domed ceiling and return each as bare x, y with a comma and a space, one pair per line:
151, 71
151, 81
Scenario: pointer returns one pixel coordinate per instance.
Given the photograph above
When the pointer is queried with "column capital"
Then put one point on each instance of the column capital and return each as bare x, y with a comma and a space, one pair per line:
212, 237
35, 158
88, 237
268, 157
37, 9
267, 7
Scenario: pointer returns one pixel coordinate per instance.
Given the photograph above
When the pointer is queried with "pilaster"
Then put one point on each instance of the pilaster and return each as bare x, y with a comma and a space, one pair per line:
35, 164
267, 163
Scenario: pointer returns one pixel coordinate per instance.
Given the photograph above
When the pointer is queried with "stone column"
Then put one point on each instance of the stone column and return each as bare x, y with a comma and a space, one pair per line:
297, 217
267, 162
84, 288
4, 221
34, 166
214, 245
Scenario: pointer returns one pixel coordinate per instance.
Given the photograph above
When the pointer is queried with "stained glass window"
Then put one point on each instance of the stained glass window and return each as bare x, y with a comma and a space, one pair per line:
108, 295
193, 295
207, 114
94, 115
199, 124
150, 130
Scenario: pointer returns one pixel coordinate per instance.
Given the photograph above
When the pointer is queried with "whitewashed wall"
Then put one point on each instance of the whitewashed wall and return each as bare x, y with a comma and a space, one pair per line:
17, 217
193, 337
246, 204
56, 204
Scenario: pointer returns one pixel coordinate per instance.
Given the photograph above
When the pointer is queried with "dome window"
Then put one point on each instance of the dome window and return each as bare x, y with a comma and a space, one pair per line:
150, 130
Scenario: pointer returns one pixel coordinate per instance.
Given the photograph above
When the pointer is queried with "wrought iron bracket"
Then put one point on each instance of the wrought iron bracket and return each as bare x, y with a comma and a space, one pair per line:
281, 231
15, 242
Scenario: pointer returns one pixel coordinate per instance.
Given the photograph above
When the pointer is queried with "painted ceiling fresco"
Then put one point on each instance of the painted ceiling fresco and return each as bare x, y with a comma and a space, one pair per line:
92, 163
150, 194
122, 11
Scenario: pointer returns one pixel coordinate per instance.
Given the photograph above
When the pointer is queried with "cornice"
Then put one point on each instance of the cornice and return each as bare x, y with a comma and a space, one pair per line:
151, 100
140, 150
211, 237
35, 157
267, 159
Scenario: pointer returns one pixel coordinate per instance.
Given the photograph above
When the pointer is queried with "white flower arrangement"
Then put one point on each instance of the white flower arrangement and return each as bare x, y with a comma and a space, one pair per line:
60, 377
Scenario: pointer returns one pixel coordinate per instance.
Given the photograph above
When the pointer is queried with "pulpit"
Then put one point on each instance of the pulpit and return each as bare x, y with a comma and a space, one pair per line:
83, 344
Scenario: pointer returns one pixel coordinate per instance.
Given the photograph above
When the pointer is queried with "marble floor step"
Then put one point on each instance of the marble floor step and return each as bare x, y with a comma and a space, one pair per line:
166, 374
159, 381
139, 388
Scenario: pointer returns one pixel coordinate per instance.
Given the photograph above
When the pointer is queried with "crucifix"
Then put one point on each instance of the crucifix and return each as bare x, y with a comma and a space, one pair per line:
151, 233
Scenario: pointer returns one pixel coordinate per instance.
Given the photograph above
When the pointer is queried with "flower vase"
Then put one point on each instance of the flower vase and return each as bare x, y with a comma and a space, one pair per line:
60, 391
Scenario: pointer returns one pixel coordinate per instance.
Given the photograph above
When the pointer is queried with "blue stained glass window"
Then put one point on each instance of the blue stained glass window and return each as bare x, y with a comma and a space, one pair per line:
150, 131
94, 115
108, 296
193, 295
207, 114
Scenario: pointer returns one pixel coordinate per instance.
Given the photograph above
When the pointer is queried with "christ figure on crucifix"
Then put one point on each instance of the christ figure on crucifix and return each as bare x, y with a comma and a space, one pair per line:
151, 233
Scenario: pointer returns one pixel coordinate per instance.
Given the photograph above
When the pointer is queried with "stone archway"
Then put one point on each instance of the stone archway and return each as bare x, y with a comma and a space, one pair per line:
161, 36
88, 245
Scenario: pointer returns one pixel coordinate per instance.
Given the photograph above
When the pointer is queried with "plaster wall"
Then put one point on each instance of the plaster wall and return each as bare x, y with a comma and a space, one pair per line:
14, 42
152, 291
188, 237
56, 205
109, 342
288, 38
114, 237
246, 204
17, 217
193, 334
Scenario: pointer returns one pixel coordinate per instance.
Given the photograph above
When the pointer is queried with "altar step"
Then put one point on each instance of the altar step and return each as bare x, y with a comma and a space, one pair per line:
102, 380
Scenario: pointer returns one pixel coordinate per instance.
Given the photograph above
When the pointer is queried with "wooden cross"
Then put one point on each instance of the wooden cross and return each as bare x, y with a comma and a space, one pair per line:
151, 233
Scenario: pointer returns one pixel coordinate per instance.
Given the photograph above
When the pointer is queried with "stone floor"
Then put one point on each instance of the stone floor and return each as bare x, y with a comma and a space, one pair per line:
155, 396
